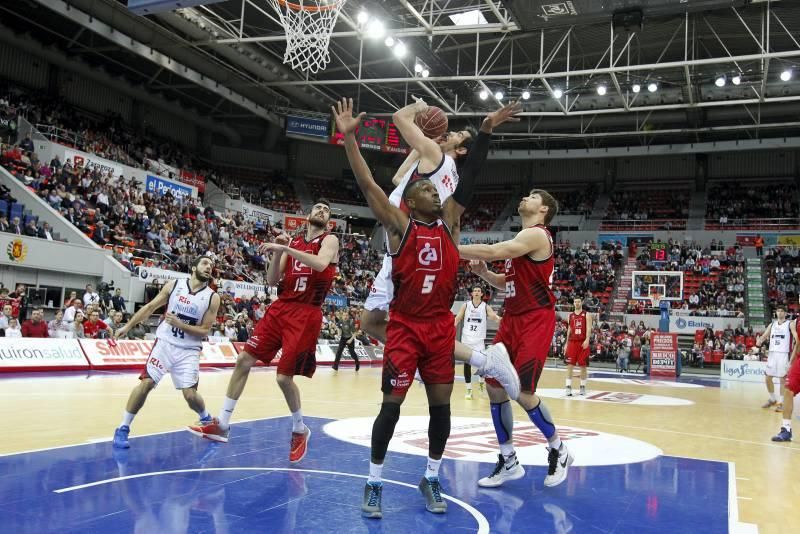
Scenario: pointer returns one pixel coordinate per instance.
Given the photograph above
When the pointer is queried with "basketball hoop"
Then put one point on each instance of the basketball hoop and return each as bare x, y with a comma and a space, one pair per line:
308, 25
655, 299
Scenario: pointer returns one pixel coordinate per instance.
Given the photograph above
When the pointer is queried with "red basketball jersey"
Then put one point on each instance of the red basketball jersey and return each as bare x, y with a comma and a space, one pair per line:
424, 271
528, 282
300, 282
577, 326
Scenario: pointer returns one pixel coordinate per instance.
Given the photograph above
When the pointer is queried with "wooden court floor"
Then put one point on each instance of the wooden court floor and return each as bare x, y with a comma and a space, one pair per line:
723, 423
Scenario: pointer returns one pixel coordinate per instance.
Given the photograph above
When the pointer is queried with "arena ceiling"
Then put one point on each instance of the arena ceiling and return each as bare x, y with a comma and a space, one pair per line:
225, 60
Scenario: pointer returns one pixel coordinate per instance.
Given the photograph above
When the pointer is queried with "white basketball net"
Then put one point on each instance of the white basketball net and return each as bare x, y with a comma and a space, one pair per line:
308, 25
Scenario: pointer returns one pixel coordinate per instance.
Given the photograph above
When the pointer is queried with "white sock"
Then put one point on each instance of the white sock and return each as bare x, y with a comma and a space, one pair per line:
583, 383
787, 424
469, 386
432, 469
507, 449
773, 397
127, 418
477, 360
554, 441
227, 411
375, 471
297, 421
204, 414
568, 382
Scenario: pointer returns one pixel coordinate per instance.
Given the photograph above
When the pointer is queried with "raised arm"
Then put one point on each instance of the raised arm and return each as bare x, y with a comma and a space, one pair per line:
411, 160
328, 252
528, 241
496, 280
392, 218
148, 309
428, 149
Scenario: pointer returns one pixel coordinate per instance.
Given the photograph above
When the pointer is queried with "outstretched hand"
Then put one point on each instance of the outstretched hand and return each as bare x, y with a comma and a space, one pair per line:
507, 113
343, 114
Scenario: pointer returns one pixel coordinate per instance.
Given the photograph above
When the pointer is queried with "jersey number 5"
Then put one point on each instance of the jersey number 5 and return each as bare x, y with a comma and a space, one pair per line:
511, 291
300, 284
427, 284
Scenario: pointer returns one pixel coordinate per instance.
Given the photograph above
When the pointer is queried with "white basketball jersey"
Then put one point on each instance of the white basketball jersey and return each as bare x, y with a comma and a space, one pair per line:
780, 337
474, 329
190, 308
444, 177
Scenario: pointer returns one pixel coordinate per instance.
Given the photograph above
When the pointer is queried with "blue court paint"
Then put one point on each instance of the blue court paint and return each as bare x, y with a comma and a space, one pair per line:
191, 485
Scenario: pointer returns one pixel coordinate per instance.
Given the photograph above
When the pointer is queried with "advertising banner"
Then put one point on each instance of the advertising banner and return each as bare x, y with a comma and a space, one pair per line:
662, 354
161, 186
242, 290
90, 161
134, 353
340, 301
20, 354
307, 127
257, 214
688, 324
293, 223
742, 371
151, 274
789, 240
194, 179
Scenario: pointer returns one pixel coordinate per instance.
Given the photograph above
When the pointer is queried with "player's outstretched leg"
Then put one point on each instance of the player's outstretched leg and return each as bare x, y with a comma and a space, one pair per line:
494, 362
135, 403
507, 467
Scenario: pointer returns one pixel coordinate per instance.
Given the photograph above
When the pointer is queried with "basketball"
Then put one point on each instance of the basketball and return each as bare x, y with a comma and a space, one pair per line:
432, 122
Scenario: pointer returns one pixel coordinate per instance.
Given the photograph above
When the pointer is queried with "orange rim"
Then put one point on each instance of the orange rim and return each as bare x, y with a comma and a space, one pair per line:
298, 7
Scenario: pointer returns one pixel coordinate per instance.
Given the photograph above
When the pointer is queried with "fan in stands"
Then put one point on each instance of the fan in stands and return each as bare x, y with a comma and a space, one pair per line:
432, 122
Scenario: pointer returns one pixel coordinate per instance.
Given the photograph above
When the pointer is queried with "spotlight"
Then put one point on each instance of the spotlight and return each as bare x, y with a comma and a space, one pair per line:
526, 95
786, 75
375, 29
736, 80
483, 94
389, 41
399, 49
363, 17
601, 90
652, 87
720, 81
499, 95
417, 68
425, 73
636, 88
557, 93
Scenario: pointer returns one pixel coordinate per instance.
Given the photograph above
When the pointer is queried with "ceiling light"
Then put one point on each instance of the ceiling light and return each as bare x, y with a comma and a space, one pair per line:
400, 49
601, 90
417, 68
375, 29
362, 17
786, 75
468, 18
425, 73
557, 93
720, 81
389, 41
484, 94
526, 95
736, 80
499, 95
652, 87
636, 88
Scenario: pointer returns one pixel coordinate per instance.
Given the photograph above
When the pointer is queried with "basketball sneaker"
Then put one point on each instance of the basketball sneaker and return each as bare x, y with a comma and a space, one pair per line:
299, 445
558, 462
505, 470
210, 430
431, 489
371, 505
468, 396
784, 435
568, 392
779, 407
582, 392
498, 366
769, 404
121, 437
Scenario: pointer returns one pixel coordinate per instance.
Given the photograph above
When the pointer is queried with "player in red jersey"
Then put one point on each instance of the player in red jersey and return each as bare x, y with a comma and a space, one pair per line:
305, 267
421, 331
526, 330
792, 387
579, 331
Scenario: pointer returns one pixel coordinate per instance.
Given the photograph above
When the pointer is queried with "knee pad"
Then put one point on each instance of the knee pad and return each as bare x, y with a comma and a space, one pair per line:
540, 417
438, 428
383, 429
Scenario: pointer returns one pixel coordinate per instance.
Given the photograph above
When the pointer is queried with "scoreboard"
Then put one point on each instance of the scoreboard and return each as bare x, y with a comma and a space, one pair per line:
374, 134
658, 251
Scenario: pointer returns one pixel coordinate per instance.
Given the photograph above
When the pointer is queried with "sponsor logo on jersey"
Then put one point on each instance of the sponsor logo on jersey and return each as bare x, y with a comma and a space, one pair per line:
429, 254
402, 381
299, 268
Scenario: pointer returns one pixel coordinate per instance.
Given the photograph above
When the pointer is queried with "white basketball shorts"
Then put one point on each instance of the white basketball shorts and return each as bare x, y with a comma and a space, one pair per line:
382, 291
182, 364
777, 364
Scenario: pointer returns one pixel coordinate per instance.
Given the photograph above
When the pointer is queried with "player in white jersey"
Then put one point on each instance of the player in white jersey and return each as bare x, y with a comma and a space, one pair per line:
781, 335
475, 315
191, 310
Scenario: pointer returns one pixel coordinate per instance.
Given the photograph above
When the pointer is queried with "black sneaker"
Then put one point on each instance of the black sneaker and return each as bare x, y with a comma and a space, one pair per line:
371, 506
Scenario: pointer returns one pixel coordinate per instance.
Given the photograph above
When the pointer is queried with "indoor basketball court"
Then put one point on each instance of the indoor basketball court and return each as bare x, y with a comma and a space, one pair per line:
666, 446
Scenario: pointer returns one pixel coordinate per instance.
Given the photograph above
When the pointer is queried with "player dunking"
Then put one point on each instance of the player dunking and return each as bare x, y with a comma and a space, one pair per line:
475, 315
191, 310
782, 335
305, 268
420, 332
526, 330
579, 330
792, 386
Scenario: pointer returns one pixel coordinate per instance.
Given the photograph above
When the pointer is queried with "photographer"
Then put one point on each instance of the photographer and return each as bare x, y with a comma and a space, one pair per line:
90, 296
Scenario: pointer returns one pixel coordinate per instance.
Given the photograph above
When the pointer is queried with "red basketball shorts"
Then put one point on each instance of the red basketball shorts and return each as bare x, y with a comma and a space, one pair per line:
527, 338
413, 344
793, 377
292, 327
576, 354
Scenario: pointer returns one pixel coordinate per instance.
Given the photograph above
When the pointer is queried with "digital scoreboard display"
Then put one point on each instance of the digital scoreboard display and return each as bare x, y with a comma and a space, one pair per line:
658, 251
374, 134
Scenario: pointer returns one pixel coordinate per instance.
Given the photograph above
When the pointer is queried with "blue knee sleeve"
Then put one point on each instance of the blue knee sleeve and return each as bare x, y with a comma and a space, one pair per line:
541, 418
503, 420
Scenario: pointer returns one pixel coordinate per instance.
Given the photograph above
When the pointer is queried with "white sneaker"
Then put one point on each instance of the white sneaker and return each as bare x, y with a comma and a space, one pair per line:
558, 462
504, 470
498, 366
